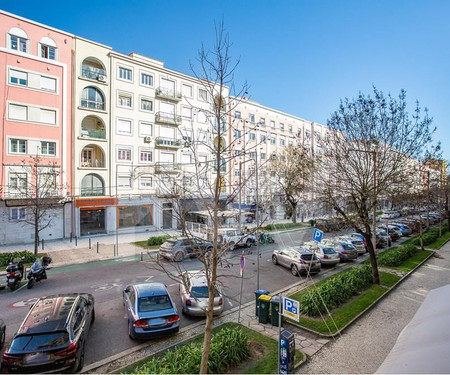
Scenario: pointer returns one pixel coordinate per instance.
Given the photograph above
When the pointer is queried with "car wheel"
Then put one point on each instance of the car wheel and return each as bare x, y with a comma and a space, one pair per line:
249, 242
179, 256
2, 340
294, 270
231, 245
274, 260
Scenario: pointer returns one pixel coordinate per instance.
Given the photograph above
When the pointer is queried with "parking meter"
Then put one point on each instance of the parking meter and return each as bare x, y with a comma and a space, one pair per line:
287, 352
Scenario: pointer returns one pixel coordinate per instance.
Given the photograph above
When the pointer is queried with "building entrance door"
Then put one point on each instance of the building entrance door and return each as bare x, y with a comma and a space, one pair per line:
167, 215
92, 221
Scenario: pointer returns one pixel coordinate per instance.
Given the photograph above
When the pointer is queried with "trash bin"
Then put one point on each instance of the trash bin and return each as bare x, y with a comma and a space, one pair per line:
258, 293
264, 307
275, 311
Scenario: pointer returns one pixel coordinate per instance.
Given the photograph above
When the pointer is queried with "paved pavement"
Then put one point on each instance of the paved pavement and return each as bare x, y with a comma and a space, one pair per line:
360, 349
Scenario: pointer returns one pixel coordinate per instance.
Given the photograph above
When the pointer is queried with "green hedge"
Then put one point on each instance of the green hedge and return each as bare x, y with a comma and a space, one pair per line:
396, 256
157, 240
228, 347
27, 256
430, 236
336, 290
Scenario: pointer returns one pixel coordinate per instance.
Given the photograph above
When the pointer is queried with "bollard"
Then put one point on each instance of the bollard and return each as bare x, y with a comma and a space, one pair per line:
142, 256
97, 247
114, 249
89, 244
76, 241
70, 237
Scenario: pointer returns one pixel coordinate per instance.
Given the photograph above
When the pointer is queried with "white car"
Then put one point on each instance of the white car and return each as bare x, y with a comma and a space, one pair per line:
233, 237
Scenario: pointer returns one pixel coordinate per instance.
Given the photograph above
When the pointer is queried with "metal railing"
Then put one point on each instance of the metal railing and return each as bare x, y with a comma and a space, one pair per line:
168, 118
91, 133
93, 104
168, 142
91, 72
166, 93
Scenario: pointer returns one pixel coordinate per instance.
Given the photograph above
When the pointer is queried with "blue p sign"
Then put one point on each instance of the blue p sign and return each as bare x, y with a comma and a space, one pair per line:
317, 235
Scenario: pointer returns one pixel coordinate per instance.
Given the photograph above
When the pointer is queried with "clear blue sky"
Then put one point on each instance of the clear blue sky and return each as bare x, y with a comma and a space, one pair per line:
298, 56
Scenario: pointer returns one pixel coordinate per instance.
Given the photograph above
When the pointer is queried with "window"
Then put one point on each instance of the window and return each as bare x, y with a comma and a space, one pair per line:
203, 95
146, 156
48, 148
48, 52
263, 156
17, 112
187, 90
251, 117
252, 154
272, 124
282, 126
92, 98
145, 129
272, 140
124, 154
290, 128
146, 79
18, 182
124, 100
48, 84
252, 136
47, 116
123, 181
237, 152
186, 112
237, 134
125, 73
48, 180
146, 105
123, 126
262, 121
262, 138
282, 141
18, 78
237, 114
18, 146
145, 182
17, 213
19, 43
237, 173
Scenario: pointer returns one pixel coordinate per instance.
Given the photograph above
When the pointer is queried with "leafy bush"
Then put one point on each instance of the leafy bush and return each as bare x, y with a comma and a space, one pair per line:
395, 257
428, 237
27, 256
228, 347
336, 290
157, 240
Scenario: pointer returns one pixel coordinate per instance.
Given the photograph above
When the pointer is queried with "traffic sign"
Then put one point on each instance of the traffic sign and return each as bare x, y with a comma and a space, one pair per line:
291, 309
317, 235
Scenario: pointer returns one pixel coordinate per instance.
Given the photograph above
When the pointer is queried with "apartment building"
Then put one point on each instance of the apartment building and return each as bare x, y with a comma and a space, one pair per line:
35, 115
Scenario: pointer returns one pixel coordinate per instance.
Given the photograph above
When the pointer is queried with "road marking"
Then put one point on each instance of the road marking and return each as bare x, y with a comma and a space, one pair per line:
102, 287
24, 303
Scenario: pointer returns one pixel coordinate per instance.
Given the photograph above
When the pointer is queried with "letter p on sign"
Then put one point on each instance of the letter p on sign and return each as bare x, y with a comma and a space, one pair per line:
317, 235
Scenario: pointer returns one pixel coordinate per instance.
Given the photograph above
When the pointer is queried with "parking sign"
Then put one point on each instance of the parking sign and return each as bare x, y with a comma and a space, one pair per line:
291, 309
317, 235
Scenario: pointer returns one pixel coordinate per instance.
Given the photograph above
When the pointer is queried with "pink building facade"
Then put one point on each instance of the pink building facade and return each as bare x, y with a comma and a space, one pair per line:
35, 116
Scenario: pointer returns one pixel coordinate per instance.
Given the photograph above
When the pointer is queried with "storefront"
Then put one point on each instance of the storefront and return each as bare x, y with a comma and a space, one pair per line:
93, 217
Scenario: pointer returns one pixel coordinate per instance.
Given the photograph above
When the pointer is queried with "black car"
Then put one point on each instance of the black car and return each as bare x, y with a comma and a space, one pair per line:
176, 249
2, 334
52, 337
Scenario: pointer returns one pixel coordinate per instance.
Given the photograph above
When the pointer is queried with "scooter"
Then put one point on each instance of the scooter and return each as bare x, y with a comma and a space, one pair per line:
14, 273
265, 238
37, 271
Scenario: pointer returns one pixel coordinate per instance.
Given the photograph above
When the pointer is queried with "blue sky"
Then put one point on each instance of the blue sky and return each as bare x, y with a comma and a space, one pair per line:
300, 57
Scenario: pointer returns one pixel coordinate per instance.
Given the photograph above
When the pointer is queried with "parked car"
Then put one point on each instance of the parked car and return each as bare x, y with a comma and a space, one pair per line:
177, 249
53, 335
383, 238
233, 237
194, 294
345, 250
298, 260
358, 236
150, 310
406, 231
2, 334
359, 245
327, 255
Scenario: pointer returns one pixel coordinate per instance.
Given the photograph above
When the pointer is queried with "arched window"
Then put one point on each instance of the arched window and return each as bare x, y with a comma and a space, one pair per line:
18, 40
93, 69
48, 48
92, 98
92, 185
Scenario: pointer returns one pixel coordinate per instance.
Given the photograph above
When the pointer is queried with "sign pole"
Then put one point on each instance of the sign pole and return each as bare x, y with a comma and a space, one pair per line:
242, 283
280, 312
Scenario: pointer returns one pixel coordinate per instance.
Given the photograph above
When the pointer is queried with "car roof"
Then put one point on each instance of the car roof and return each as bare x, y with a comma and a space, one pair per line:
48, 314
198, 278
150, 289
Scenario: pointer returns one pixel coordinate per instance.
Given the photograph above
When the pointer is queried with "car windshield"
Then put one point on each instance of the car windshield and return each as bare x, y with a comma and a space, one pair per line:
347, 246
328, 250
169, 243
32, 343
154, 303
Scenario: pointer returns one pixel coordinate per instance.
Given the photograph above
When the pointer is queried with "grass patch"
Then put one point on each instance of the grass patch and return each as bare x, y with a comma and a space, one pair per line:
342, 315
440, 241
264, 361
273, 227
144, 245
411, 263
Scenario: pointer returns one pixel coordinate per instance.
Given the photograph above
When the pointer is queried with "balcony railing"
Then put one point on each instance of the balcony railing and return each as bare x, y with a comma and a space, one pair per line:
92, 192
95, 163
168, 118
165, 93
167, 168
92, 73
91, 133
168, 142
100, 106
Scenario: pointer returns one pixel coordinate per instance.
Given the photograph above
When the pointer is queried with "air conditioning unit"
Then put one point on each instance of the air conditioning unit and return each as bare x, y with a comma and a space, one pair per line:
147, 139
101, 78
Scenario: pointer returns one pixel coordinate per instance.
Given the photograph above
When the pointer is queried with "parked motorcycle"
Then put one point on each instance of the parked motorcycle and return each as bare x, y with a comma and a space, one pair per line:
14, 273
38, 271
265, 238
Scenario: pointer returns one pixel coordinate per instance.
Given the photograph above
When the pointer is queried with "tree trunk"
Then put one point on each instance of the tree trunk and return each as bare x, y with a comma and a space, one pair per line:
207, 339
36, 235
372, 256
294, 212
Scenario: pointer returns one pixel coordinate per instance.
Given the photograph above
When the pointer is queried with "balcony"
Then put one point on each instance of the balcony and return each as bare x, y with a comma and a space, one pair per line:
95, 163
92, 192
168, 143
91, 133
91, 104
167, 168
167, 192
168, 118
164, 93
94, 73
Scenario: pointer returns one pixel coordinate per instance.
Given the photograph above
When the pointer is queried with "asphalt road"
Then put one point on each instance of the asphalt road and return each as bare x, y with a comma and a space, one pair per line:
106, 281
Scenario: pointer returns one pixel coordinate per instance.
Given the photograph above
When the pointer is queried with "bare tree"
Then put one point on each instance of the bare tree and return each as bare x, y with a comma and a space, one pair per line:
372, 145
37, 186
293, 169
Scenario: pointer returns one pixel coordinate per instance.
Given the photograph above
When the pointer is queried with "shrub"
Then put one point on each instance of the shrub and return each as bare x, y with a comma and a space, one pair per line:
157, 240
395, 257
27, 256
228, 347
336, 290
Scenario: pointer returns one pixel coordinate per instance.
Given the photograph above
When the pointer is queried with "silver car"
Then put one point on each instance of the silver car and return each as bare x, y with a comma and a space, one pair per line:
355, 242
298, 260
346, 250
194, 294
328, 255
